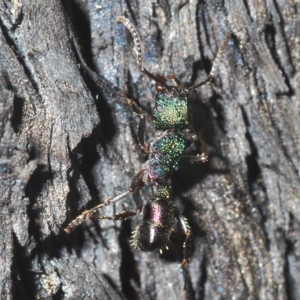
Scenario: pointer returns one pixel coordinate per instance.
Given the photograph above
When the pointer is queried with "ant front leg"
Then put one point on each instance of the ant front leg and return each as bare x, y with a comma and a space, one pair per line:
108, 88
141, 134
141, 128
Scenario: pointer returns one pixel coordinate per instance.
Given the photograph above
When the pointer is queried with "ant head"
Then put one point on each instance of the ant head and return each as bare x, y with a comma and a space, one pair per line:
171, 105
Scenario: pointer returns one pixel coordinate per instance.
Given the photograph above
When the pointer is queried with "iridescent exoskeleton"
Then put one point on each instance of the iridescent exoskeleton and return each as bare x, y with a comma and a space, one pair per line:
172, 120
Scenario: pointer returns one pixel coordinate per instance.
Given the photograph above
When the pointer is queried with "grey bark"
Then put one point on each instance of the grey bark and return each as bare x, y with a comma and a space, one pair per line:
67, 145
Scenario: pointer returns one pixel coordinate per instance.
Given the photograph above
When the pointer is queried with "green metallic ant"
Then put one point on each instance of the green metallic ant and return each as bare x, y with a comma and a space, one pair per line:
171, 116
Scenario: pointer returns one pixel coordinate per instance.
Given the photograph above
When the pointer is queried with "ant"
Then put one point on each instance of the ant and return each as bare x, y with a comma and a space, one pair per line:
172, 117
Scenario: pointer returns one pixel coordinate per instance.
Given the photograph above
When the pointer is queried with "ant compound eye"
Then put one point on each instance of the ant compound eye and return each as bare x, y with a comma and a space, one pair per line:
159, 108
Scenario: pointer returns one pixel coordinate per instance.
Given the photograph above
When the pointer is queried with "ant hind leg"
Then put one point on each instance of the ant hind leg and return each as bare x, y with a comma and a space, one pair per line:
187, 245
90, 214
121, 216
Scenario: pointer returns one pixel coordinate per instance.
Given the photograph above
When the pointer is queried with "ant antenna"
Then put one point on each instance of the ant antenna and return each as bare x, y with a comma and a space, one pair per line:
215, 64
137, 43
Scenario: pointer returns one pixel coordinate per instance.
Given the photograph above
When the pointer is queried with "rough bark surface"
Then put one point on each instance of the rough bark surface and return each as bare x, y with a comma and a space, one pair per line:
67, 145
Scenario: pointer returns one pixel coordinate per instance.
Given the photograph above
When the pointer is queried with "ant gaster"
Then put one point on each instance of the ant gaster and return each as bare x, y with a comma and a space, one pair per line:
172, 117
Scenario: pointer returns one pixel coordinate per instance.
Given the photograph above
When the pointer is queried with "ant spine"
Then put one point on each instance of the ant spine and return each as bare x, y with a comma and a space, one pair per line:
172, 118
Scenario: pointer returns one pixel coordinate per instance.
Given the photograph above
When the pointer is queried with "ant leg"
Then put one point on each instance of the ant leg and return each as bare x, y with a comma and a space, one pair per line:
134, 106
121, 216
137, 182
200, 158
215, 64
107, 87
187, 245
137, 43
141, 128
125, 215
88, 214
141, 134
100, 81
137, 200
203, 157
103, 84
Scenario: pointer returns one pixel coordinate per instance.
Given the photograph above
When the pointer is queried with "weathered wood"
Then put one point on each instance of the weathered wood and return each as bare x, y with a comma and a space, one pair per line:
66, 145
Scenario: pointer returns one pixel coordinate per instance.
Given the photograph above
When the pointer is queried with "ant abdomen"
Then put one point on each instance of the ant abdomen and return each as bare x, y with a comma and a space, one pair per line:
158, 222
149, 237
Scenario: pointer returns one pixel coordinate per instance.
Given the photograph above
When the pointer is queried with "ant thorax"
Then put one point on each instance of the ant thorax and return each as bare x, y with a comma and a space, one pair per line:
166, 152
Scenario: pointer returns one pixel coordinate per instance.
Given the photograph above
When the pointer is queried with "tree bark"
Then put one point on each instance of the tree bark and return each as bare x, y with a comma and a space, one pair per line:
67, 145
